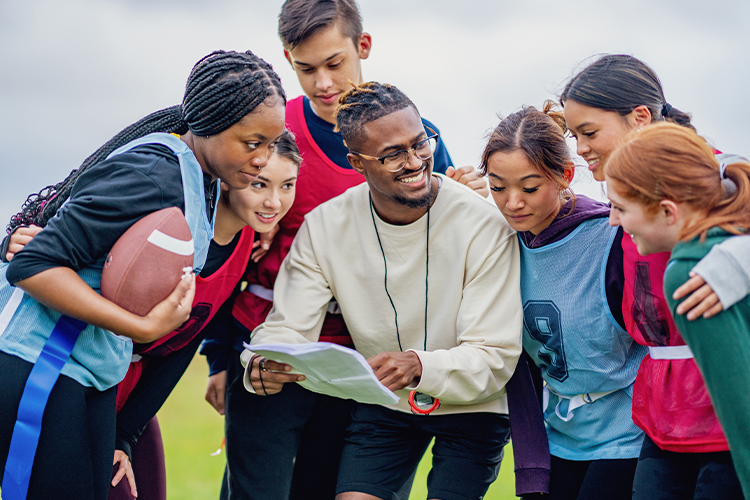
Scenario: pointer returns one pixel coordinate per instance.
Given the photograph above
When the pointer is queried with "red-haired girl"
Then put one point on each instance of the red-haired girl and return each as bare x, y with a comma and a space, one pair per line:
667, 192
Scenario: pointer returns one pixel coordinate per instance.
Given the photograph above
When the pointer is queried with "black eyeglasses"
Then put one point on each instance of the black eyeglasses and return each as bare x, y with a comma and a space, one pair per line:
397, 160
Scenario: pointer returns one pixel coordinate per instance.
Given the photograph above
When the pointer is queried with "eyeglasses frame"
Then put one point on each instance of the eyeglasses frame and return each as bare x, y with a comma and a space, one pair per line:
381, 159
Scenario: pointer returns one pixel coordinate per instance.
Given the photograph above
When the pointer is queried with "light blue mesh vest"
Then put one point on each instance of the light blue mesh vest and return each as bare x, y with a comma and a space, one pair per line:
587, 361
99, 359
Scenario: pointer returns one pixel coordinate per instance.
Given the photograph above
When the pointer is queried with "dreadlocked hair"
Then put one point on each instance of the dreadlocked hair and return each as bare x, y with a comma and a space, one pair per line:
365, 103
222, 88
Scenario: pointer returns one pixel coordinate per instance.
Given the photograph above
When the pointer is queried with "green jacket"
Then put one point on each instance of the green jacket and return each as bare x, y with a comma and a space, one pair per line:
721, 346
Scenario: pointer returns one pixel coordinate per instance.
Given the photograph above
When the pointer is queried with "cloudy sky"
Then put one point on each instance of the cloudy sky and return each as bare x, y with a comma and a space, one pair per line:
74, 73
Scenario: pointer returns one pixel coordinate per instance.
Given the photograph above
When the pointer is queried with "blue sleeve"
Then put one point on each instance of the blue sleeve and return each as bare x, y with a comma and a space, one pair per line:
442, 157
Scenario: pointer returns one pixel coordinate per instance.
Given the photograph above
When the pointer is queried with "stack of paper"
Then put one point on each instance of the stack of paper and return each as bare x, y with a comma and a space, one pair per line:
330, 369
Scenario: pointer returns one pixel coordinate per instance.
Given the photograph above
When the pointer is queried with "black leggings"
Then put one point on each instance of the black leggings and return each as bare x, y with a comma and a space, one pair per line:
668, 475
74, 457
590, 480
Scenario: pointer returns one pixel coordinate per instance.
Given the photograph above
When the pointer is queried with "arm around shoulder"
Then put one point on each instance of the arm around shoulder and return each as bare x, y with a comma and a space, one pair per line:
726, 269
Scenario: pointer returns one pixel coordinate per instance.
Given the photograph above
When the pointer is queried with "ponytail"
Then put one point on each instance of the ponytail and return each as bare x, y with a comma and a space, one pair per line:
621, 83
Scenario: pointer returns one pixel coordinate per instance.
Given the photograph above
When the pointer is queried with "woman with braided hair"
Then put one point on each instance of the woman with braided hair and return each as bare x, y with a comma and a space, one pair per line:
230, 119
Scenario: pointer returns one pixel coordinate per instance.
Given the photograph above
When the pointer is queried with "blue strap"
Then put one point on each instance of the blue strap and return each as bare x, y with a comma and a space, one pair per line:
36, 392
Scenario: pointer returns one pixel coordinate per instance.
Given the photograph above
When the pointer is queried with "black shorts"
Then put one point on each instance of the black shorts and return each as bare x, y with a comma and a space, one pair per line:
383, 448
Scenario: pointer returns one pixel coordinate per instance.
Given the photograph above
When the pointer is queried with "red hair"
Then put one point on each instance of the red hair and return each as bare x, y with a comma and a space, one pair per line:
667, 161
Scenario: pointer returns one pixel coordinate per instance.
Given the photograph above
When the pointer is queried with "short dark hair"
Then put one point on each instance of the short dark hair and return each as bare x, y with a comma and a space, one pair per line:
621, 83
365, 103
301, 19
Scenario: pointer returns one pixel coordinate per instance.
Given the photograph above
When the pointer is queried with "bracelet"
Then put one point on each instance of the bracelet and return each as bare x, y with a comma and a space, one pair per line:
262, 363
250, 363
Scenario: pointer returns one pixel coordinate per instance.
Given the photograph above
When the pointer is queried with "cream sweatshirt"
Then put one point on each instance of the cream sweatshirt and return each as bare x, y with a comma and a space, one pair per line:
474, 314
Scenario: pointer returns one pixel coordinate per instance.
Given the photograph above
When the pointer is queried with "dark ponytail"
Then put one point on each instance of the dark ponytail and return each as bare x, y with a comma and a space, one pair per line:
621, 83
222, 88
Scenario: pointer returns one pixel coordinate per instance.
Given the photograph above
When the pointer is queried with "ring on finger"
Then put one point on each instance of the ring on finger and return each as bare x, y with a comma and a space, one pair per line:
262, 365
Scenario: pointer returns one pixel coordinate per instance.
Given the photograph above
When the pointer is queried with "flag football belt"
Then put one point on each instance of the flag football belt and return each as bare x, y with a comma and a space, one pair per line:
267, 294
574, 402
670, 352
28, 426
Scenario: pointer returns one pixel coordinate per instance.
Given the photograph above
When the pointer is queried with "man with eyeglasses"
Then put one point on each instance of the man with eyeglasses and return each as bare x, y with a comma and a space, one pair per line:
426, 274
325, 44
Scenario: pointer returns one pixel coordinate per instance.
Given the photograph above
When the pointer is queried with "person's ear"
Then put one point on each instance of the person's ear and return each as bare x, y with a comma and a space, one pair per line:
569, 172
288, 56
364, 45
356, 163
640, 116
669, 210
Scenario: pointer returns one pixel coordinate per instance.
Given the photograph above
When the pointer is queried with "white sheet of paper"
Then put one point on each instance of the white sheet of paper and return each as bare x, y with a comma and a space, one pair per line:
330, 369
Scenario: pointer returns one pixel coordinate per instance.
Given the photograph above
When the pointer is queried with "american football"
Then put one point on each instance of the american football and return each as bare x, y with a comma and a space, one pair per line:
148, 260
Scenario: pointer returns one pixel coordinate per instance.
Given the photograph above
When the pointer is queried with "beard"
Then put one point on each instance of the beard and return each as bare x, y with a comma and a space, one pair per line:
422, 201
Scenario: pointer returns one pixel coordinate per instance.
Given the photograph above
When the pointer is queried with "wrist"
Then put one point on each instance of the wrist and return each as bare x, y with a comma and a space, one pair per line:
417, 363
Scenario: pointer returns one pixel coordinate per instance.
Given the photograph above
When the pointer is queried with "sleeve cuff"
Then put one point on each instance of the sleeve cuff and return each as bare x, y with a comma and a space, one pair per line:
535, 480
245, 359
218, 361
725, 275
123, 444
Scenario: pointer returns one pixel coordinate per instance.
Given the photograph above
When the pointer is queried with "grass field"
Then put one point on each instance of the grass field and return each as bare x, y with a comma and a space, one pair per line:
192, 430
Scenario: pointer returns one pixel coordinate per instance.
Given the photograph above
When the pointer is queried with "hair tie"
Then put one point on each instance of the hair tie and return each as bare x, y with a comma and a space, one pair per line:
723, 170
666, 109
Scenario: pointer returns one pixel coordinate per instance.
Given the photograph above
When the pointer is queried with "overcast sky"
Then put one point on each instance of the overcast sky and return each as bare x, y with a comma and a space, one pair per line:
74, 73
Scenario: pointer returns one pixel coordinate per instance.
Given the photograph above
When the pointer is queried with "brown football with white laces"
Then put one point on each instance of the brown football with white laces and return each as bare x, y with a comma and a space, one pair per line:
148, 261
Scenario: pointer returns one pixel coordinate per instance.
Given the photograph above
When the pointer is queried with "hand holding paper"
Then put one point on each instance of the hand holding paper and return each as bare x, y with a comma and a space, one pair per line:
330, 369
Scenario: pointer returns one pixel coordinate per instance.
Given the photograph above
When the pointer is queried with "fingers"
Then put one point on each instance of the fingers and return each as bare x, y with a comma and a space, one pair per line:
119, 475
702, 301
258, 253
479, 185
216, 391
171, 312
262, 245
468, 176
396, 370
450, 172
124, 469
275, 366
707, 304
185, 293
694, 299
688, 287
19, 239
713, 311
181, 299
268, 377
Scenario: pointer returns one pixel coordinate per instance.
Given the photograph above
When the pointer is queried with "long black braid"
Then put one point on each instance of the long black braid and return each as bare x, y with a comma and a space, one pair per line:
222, 88
365, 103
